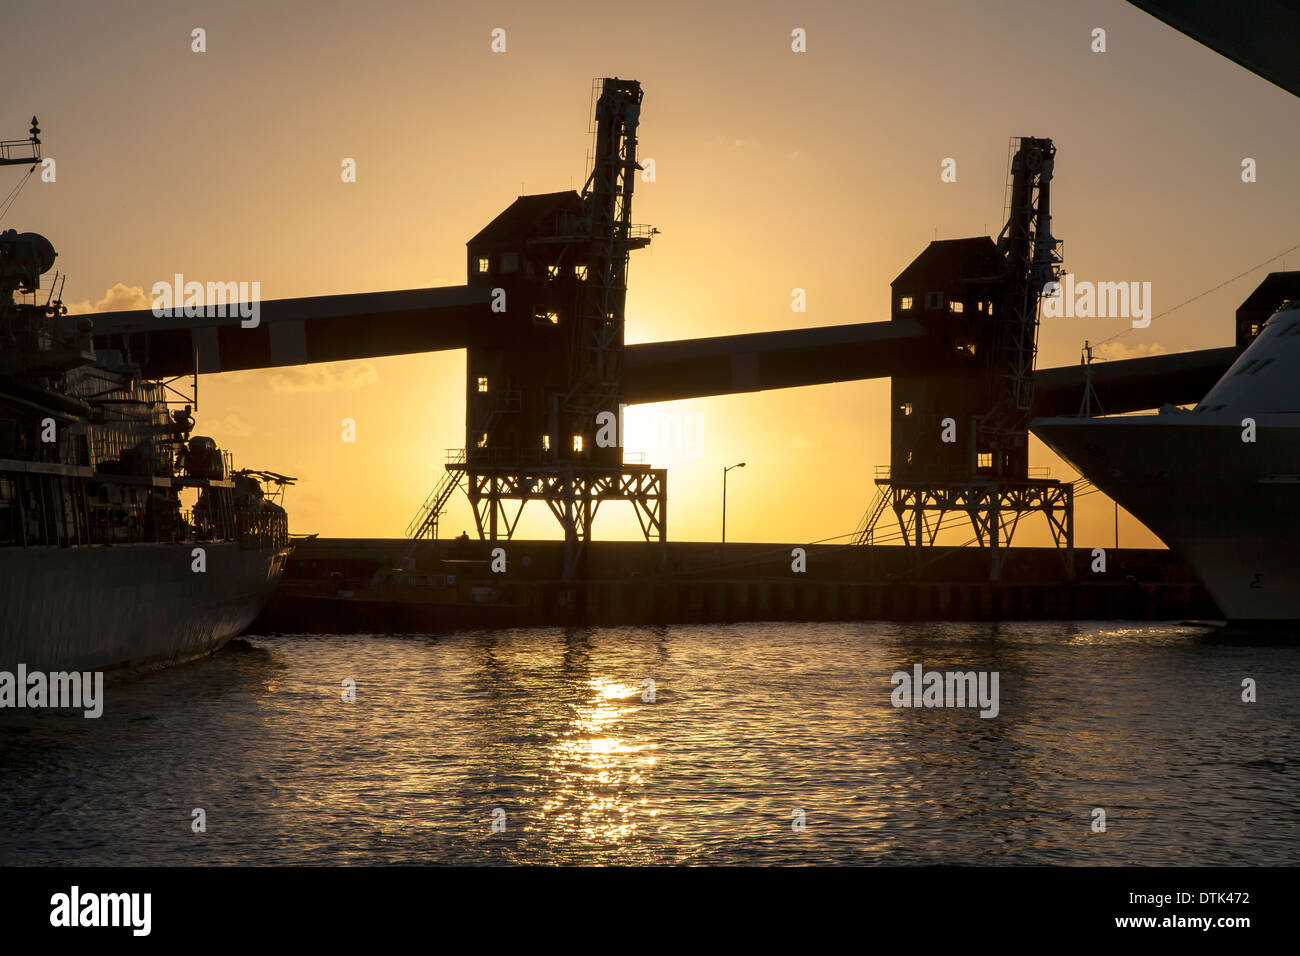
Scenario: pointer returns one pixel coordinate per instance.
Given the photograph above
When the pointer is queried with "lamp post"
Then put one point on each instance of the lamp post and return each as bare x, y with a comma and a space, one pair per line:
724, 498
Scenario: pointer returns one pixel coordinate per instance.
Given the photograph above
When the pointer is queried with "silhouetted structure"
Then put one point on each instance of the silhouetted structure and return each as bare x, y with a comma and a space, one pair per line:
544, 382
959, 438
103, 563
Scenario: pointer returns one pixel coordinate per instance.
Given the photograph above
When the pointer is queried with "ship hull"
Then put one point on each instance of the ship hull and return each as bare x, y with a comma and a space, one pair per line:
133, 606
1227, 506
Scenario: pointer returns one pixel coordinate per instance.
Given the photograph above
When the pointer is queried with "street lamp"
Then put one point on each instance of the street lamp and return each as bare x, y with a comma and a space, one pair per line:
724, 498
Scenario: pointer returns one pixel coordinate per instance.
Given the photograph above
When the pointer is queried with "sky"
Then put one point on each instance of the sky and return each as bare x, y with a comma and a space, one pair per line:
819, 170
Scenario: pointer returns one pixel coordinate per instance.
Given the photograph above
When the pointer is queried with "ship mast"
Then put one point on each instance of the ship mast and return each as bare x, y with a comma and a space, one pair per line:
22, 152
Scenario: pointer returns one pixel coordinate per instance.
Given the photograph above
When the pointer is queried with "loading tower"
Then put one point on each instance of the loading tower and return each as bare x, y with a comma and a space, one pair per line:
544, 374
959, 432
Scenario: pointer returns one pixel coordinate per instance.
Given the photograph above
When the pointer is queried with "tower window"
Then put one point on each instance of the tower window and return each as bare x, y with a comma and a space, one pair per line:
580, 273
956, 307
905, 303
577, 443
482, 383
984, 459
553, 271
482, 442
546, 316
483, 265
546, 443
905, 408
934, 300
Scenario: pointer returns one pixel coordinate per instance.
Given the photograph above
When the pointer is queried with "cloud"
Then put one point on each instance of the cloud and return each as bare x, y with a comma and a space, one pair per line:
1115, 351
120, 298
735, 142
229, 426
325, 378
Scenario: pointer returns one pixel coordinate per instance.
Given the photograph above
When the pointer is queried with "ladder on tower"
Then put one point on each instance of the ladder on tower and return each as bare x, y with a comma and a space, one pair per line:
425, 521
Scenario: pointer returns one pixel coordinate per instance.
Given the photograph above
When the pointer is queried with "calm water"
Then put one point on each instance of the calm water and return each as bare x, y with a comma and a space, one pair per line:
749, 723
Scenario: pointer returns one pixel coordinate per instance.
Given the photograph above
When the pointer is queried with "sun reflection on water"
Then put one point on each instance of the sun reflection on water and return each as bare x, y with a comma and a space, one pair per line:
595, 776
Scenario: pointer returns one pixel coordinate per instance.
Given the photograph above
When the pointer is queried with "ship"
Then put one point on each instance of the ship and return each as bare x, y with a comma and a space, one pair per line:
1219, 484
127, 542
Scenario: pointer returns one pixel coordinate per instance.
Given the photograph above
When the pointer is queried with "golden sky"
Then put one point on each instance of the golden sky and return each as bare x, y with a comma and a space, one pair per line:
774, 170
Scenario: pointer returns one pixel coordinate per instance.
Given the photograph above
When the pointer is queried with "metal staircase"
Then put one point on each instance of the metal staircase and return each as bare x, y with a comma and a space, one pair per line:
865, 531
425, 521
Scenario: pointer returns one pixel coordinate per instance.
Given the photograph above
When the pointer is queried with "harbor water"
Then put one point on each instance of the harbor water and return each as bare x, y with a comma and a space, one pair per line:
759, 743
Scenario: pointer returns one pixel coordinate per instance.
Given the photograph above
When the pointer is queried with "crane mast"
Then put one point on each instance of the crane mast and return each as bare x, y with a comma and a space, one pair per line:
1033, 260
596, 356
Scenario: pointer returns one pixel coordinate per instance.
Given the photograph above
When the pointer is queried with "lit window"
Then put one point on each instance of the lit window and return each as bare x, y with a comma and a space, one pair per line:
483, 265
580, 272
553, 271
546, 443
984, 459
482, 442
577, 443
905, 303
546, 316
956, 307
482, 383
509, 262
905, 408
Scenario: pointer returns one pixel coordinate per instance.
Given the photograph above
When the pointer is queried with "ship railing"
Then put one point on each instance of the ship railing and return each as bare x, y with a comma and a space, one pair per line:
201, 525
262, 529
525, 458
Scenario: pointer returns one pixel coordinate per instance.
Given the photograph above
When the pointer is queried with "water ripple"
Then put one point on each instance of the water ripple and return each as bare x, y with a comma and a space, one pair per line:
549, 746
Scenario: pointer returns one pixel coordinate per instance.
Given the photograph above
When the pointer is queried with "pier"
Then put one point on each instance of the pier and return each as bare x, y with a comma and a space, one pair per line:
329, 586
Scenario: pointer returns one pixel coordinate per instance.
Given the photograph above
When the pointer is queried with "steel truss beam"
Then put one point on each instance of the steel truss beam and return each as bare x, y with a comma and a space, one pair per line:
994, 510
574, 495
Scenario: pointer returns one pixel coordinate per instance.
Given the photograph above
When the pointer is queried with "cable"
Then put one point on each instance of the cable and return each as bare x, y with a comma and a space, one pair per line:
13, 193
1202, 295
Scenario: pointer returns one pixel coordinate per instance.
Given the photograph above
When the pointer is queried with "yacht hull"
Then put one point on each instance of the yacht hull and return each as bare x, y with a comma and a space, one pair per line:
1226, 505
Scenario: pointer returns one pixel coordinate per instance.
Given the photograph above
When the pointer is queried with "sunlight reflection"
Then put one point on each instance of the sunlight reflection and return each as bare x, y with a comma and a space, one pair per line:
595, 774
